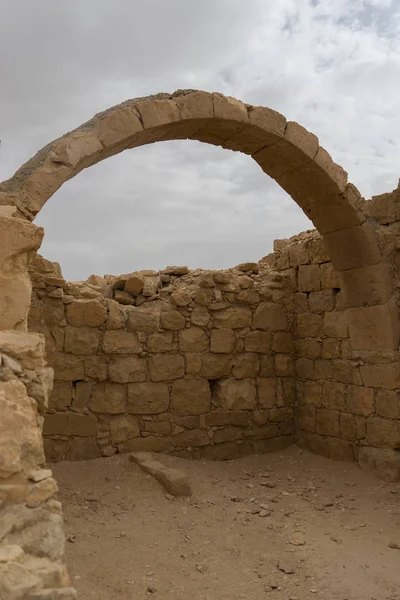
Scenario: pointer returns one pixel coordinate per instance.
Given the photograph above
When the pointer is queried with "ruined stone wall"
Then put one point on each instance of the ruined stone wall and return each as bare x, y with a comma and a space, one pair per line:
347, 400
198, 362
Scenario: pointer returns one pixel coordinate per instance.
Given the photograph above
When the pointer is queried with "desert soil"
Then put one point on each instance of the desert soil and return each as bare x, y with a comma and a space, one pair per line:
289, 525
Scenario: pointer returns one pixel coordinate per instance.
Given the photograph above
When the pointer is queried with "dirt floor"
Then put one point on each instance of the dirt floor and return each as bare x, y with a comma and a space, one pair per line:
291, 526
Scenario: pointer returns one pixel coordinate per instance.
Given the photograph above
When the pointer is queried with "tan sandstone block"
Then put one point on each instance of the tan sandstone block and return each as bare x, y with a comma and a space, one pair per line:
193, 362
237, 395
190, 397
127, 369
309, 325
334, 395
381, 376
61, 395
82, 340
367, 286
142, 319
328, 422
266, 392
66, 367
360, 400
147, 398
258, 341
86, 312
309, 278
193, 339
123, 428
160, 342
383, 433
120, 342
307, 418
388, 404
270, 317
116, 315
353, 248
374, 327
245, 365
282, 342
200, 317
164, 368
95, 368
336, 324
214, 366
323, 301
223, 340
235, 317
284, 365
108, 398
312, 393
172, 320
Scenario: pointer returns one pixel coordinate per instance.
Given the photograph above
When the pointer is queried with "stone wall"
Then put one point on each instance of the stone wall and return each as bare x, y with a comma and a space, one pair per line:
347, 400
196, 362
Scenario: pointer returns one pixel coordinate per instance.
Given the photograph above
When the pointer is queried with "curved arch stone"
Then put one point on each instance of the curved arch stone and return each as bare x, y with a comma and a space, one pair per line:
284, 150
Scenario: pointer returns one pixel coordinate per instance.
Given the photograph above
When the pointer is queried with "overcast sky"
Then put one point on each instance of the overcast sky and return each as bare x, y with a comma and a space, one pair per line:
332, 65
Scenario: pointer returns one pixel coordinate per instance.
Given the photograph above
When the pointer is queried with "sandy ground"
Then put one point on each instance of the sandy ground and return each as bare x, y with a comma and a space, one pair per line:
327, 524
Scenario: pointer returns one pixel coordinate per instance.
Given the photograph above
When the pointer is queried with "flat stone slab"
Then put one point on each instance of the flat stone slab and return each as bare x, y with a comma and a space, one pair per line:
174, 481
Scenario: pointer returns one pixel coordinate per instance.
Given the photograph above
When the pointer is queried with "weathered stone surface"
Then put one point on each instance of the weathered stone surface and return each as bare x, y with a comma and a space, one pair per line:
120, 342
134, 284
123, 428
190, 397
270, 317
20, 439
233, 318
172, 320
245, 365
89, 313
82, 340
116, 316
214, 366
124, 298
147, 398
223, 340
160, 342
193, 340
127, 369
236, 395
141, 319
109, 398
164, 368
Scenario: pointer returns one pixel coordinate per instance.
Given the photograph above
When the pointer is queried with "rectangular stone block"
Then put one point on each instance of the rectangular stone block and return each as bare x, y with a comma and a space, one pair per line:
309, 278
374, 327
190, 397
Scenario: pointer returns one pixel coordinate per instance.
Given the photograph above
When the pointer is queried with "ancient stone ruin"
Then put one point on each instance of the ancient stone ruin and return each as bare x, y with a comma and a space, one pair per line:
301, 347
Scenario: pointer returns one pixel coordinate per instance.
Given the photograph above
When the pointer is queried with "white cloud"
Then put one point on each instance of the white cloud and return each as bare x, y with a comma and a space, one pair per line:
332, 65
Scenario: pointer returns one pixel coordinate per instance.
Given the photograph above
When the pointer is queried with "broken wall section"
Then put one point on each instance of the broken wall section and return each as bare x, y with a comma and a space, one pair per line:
183, 361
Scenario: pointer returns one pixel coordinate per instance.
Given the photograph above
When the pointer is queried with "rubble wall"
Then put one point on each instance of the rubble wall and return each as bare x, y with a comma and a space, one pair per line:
197, 362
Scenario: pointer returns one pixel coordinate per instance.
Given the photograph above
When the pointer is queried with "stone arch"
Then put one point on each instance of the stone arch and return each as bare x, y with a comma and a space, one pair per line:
283, 149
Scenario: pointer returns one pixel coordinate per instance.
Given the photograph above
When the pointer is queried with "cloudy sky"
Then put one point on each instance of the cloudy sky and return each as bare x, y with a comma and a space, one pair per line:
332, 65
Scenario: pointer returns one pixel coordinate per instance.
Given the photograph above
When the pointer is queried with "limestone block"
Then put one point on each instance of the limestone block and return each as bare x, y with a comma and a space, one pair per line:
147, 398
310, 325
258, 341
335, 324
120, 342
223, 340
124, 298
387, 404
245, 365
41, 491
204, 296
91, 313
108, 398
235, 317
82, 340
234, 394
174, 481
82, 393
164, 368
27, 348
306, 418
20, 437
312, 393
172, 320
127, 369
284, 365
323, 301
328, 422
116, 315
67, 367
142, 319
14, 301
123, 428
360, 400
193, 362
134, 284
194, 437
330, 348
353, 248
176, 270
367, 286
374, 327
214, 366
381, 376
95, 368
160, 342
334, 395
182, 296
193, 339
61, 395
248, 297
330, 278
383, 433
270, 317
266, 392
309, 278
200, 317
190, 397
282, 342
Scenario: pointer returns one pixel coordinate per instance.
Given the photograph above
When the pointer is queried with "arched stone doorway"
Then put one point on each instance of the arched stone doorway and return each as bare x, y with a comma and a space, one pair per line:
284, 150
